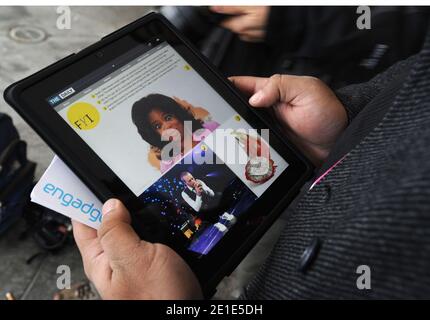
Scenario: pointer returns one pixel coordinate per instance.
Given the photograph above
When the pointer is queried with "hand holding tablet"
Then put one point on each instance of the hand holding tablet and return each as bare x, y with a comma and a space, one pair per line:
116, 245
150, 122
295, 98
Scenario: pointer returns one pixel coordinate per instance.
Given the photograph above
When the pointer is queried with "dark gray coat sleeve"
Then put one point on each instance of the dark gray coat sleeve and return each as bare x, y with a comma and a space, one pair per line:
355, 97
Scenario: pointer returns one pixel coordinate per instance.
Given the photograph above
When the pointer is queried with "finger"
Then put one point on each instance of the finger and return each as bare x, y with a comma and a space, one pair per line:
236, 24
256, 35
247, 38
83, 233
117, 237
233, 10
268, 95
248, 85
279, 88
89, 247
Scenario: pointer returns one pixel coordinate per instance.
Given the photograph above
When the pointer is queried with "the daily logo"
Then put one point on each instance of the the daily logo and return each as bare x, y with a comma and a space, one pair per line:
83, 116
61, 96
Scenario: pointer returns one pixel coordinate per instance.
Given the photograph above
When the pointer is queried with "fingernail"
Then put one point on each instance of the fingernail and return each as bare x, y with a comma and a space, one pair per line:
256, 97
109, 206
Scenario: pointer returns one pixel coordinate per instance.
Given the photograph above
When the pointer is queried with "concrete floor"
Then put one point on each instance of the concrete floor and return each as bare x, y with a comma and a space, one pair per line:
19, 59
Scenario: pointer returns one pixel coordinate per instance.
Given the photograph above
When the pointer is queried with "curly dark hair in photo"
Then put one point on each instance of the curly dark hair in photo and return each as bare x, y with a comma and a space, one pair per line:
143, 107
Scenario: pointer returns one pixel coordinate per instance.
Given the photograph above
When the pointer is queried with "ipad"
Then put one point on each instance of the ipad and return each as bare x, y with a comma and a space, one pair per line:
143, 117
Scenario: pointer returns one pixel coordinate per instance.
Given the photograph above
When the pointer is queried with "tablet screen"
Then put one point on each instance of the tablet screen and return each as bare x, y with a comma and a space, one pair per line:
173, 140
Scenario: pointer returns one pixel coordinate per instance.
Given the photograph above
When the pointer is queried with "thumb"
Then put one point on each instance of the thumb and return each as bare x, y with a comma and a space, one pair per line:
117, 237
269, 94
279, 88
230, 10
248, 85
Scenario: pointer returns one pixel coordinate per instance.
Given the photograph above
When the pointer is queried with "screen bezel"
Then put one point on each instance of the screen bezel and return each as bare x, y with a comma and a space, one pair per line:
29, 98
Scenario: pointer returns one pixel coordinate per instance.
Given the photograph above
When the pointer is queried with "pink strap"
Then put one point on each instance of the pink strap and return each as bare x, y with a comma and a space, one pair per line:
327, 172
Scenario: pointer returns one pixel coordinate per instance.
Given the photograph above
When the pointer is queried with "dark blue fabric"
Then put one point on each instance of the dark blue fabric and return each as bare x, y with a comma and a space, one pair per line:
16, 174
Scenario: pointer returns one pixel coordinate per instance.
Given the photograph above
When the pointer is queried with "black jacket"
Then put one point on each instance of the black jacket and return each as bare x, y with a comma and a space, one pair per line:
325, 42
373, 208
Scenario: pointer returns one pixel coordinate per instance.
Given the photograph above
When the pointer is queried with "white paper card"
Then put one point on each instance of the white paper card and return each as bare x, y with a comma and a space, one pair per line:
59, 189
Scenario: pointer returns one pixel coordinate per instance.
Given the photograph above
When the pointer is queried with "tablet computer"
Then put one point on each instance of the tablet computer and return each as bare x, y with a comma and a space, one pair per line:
143, 117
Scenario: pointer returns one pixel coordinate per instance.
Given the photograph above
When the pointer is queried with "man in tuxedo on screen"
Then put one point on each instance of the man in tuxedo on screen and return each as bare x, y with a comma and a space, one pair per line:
198, 196
195, 191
